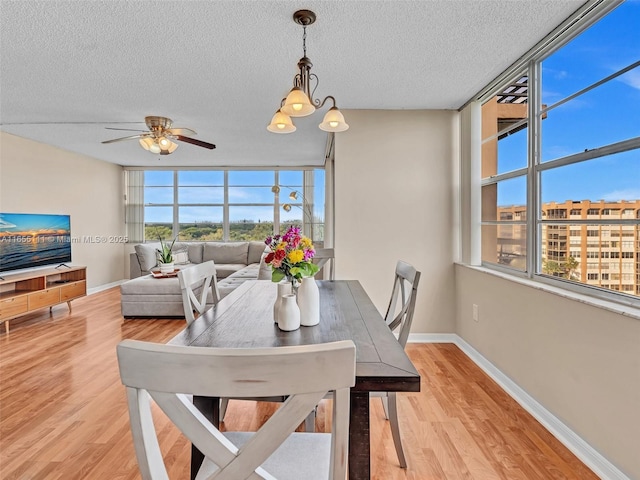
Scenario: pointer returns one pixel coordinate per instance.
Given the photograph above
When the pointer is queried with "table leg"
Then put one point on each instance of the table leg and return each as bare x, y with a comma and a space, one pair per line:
210, 407
359, 446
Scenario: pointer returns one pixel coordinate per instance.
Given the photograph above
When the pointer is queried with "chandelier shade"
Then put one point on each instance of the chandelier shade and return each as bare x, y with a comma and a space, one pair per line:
300, 102
334, 121
281, 123
297, 104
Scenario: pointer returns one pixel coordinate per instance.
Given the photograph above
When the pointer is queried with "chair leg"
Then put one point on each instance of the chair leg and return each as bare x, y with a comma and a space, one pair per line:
224, 403
395, 428
385, 406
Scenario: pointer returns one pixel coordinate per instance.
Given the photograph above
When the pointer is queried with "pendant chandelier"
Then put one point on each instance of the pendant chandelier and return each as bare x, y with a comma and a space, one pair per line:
300, 102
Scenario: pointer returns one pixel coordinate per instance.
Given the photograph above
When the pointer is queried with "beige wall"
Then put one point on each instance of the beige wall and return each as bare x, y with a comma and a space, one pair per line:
38, 178
393, 201
582, 363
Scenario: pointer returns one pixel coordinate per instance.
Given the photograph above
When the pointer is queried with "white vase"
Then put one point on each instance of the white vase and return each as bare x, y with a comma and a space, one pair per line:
284, 288
166, 268
309, 302
289, 313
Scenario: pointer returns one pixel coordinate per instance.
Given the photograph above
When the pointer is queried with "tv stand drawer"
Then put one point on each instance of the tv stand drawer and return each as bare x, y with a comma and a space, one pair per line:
75, 290
11, 307
44, 298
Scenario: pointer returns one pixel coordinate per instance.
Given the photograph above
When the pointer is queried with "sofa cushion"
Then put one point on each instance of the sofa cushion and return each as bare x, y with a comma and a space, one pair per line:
256, 249
226, 253
195, 251
147, 255
225, 269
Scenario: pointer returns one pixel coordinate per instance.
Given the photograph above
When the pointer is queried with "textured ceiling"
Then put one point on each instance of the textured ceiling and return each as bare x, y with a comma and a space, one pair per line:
68, 69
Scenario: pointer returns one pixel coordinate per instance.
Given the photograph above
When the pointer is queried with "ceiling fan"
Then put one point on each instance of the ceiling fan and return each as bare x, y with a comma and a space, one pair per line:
159, 138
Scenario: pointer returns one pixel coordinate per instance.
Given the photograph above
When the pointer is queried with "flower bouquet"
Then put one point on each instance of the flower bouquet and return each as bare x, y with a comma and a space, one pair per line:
290, 256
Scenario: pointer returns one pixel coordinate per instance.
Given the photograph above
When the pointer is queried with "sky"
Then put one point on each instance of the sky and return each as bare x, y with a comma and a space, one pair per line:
607, 114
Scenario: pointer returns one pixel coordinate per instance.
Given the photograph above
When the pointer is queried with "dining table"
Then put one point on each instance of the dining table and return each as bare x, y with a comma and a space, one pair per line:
244, 319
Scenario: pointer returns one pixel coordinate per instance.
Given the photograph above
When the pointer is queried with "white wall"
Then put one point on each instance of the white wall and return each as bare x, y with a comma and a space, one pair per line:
393, 201
38, 178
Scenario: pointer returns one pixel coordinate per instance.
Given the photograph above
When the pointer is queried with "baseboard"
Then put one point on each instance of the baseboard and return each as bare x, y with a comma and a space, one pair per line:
106, 286
580, 448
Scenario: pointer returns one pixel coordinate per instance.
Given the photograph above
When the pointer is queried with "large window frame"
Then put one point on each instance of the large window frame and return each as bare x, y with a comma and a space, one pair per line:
531, 66
309, 207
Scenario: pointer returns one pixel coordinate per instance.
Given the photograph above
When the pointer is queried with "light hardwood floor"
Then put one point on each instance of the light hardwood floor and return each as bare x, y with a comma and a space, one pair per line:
63, 413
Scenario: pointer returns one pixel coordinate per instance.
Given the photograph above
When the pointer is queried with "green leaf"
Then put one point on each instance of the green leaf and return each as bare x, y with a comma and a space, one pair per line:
277, 275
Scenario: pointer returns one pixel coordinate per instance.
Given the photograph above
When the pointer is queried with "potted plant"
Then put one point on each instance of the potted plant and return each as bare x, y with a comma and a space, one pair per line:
165, 256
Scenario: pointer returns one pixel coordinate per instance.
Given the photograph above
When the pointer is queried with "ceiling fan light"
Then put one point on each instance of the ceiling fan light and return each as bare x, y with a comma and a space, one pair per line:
146, 143
164, 143
281, 123
334, 121
297, 104
155, 148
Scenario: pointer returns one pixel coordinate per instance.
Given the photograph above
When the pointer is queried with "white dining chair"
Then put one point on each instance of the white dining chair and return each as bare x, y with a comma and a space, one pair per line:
195, 284
169, 374
398, 318
322, 257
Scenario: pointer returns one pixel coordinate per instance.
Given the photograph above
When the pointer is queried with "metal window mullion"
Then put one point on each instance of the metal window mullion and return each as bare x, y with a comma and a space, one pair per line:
175, 227
534, 239
225, 210
595, 222
611, 149
276, 204
503, 176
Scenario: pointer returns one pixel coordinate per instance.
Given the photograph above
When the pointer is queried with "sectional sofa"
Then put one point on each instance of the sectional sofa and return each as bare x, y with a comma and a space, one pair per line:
146, 296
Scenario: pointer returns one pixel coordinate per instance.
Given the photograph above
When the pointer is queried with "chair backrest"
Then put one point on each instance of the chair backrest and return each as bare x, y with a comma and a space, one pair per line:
195, 283
403, 300
322, 256
169, 373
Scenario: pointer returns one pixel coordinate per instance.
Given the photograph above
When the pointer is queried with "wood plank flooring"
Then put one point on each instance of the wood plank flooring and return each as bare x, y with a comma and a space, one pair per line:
63, 413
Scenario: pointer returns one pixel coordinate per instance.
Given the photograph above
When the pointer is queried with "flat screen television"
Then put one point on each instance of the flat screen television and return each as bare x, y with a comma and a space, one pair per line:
33, 240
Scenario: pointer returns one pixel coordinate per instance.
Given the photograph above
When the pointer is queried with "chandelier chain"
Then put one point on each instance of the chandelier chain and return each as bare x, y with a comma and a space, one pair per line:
304, 40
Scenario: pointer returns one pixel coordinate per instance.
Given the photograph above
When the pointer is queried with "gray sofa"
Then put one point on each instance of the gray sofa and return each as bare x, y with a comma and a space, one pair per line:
146, 296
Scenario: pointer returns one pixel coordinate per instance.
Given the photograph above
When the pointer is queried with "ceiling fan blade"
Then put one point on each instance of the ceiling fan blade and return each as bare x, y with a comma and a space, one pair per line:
180, 131
193, 141
125, 129
142, 135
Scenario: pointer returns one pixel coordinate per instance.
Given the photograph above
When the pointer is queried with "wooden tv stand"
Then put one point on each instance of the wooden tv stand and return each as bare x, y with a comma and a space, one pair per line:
21, 293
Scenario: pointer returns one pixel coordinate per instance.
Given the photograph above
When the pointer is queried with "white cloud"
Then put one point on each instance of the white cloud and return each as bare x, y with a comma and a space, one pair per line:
627, 194
631, 78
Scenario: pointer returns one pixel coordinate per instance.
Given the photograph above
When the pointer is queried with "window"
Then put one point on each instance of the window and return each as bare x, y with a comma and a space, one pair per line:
230, 205
567, 149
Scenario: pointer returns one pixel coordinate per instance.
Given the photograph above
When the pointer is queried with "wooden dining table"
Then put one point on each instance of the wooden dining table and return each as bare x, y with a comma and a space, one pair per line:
244, 319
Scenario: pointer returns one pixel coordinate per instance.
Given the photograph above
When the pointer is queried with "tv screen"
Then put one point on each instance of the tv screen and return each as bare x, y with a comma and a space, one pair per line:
33, 240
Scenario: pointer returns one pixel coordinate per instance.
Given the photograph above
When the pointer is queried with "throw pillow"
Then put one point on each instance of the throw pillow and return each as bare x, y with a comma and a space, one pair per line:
180, 257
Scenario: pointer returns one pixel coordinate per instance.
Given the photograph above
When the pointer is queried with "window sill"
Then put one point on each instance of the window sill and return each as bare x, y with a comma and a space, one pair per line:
626, 310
